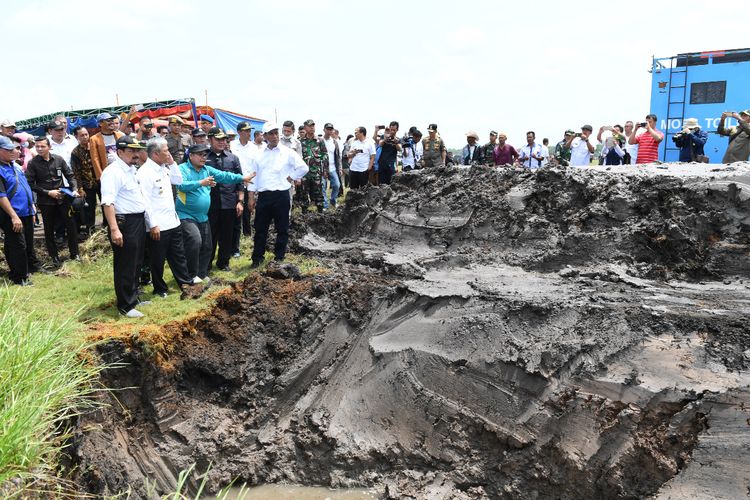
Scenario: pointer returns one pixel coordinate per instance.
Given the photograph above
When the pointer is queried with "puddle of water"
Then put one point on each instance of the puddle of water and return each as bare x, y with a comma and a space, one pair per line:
290, 492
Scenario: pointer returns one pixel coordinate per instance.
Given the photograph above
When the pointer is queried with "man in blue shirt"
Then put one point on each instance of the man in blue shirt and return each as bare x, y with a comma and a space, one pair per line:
192, 205
16, 215
691, 141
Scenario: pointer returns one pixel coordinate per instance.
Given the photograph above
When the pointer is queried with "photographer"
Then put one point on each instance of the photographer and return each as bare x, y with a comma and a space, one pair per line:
389, 146
581, 147
691, 141
648, 142
738, 148
409, 145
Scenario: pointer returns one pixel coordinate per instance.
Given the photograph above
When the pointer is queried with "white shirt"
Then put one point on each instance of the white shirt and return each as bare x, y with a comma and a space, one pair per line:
244, 153
361, 161
632, 148
63, 148
110, 146
331, 148
525, 155
156, 185
545, 155
120, 188
579, 153
273, 166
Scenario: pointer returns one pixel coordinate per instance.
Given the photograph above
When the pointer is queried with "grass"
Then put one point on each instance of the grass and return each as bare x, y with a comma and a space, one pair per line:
44, 380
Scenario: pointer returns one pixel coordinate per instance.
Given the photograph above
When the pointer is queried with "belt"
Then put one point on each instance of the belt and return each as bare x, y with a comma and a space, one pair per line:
130, 216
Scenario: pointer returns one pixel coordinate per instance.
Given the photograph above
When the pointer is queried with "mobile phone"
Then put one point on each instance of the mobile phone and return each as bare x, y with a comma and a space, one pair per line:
380, 127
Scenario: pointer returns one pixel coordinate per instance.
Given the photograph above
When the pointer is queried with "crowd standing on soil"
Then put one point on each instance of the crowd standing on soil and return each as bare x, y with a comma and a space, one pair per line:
187, 195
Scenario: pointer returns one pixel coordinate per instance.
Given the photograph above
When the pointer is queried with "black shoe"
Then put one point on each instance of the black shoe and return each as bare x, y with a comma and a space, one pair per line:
163, 295
225, 267
256, 264
76, 258
56, 261
236, 255
26, 282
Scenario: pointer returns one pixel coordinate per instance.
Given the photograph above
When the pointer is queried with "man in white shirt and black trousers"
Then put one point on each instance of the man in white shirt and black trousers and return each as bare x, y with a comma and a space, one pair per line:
156, 177
125, 210
276, 168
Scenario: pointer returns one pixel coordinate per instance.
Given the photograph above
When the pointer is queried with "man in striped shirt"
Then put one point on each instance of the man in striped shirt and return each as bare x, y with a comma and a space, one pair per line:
648, 141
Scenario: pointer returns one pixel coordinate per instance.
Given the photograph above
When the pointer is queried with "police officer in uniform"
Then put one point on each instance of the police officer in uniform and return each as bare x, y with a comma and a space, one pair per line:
434, 149
275, 169
125, 211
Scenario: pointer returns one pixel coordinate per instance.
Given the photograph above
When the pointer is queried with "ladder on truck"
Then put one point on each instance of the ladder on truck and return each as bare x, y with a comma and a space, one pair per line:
676, 96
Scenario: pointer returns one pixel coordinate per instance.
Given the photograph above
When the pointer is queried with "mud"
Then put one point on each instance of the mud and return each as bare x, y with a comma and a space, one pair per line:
480, 333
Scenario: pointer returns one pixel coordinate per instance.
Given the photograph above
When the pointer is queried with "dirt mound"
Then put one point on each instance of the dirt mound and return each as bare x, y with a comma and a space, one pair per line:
461, 348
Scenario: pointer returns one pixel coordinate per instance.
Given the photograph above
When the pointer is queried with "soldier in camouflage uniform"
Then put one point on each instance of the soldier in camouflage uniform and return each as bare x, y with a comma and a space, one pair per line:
315, 155
488, 150
434, 149
562, 149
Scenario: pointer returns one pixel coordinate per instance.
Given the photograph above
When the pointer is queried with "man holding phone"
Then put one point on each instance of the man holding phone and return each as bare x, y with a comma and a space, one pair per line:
361, 158
648, 142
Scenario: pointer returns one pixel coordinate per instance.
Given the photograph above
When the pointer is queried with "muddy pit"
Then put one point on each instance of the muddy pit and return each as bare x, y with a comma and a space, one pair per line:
479, 334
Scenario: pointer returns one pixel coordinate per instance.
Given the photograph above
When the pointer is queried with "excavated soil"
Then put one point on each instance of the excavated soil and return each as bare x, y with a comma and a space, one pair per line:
481, 333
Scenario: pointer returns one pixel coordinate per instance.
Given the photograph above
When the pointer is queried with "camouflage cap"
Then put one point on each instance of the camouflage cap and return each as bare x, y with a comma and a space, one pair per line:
745, 112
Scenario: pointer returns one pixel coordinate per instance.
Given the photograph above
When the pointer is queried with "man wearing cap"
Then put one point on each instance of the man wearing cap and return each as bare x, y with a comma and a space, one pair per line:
334, 167
47, 175
504, 153
102, 145
315, 155
648, 141
127, 213
61, 143
277, 167
581, 148
488, 149
156, 178
472, 152
206, 123
562, 149
199, 136
145, 130
7, 128
193, 203
739, 136
175, 140
690, 140
16, 215
244, 149
434, 148
227, 200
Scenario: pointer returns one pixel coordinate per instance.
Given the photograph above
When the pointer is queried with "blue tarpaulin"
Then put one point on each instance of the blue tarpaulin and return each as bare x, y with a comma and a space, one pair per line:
228, 121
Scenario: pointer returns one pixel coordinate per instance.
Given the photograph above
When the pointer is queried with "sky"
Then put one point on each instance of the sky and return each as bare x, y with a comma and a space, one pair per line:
468, 65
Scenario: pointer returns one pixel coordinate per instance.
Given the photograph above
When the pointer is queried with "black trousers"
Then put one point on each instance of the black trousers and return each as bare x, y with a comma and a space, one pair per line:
52, 215
222, 221
196, 237
19, 248
89, 211
385, 174
247, 222
271, 206
359, 179
127, 259
170, 248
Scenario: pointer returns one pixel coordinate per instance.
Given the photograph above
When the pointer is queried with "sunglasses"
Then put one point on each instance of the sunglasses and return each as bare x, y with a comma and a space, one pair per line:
149, 125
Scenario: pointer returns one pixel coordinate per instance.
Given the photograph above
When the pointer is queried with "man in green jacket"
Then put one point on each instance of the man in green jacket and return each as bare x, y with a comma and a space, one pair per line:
192, 204
739, 136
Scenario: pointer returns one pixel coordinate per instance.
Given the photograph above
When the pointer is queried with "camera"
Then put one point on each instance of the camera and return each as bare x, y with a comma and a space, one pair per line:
407, 141
642, 124
381, 127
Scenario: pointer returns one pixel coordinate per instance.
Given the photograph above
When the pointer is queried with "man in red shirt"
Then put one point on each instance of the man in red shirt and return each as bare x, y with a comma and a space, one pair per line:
504, 154
648, 141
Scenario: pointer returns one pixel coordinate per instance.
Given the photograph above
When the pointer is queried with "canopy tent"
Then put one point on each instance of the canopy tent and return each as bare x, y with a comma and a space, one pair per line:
183, 108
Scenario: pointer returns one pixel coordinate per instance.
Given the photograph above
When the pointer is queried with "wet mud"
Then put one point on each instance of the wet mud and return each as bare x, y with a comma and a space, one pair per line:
478, 334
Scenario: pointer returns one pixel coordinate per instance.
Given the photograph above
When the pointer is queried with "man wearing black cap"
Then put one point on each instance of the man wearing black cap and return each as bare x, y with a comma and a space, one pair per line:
314, 153
199, 136
276, 167
243, 148
434, 148
48, 174
488, 150
193, 203
61, 143
581, 148
175, 141
126, 212
227, 200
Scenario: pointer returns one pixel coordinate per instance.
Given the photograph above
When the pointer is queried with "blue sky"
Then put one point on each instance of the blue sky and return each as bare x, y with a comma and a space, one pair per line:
471, 65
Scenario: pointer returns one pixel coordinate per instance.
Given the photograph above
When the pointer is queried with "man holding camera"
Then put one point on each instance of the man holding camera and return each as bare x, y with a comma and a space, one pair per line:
389, 146
739, 136
581, 147
648, 142
691, 141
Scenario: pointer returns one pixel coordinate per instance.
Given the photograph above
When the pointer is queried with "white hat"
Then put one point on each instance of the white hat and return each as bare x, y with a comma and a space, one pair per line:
7, 123
268, 126
691, 123
473, 134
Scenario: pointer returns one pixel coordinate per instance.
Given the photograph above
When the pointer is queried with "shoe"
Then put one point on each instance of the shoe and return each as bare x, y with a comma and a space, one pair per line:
144, 302
134, 313
163, 295
26, 282
223, 268
197, 280
236, 255
56, 261
76, 258
256, 264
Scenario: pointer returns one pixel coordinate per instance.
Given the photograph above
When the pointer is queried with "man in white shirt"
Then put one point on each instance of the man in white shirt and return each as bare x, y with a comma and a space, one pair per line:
545, 152
244, 149
581, 148
334, 167
361, 158
530, 155
61, 143
275, 169
156, 177
631, 150
125, 211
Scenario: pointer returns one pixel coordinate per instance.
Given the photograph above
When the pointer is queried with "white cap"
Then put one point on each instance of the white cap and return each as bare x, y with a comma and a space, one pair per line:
7, 123
268, 126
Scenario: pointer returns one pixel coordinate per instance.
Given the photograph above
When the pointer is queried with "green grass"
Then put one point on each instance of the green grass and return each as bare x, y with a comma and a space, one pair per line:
44, 380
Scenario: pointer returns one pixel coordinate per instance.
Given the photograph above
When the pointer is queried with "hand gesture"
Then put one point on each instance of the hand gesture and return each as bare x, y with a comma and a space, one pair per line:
208, 181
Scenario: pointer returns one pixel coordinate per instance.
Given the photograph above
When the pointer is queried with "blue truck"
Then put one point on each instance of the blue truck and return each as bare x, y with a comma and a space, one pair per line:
699, 85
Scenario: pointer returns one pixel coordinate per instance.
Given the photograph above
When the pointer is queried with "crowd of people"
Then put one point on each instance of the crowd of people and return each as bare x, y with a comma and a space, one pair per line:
186, 195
